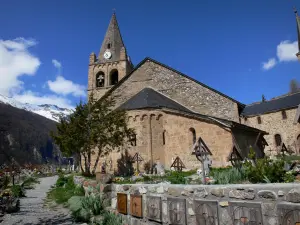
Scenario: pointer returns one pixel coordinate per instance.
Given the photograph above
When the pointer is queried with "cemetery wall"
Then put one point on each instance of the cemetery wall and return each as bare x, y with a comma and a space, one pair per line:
264, 204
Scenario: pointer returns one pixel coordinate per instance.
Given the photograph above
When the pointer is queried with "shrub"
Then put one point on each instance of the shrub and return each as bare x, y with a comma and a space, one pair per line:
65, 189
176, 177
91, 205
18, 191
264, 169
228, 175
125, 165
111, 219
29, 182
61, 181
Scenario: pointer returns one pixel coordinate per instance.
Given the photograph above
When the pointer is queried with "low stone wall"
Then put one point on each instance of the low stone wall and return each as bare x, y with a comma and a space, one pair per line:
263, 204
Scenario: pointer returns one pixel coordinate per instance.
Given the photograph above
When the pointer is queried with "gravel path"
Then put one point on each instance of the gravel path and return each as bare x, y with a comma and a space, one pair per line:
32, 210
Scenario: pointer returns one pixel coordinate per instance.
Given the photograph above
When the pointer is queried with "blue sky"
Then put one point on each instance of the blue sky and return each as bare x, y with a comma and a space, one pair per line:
220, 43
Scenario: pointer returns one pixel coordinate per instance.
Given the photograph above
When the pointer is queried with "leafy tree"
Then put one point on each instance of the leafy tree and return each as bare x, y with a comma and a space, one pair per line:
94, 128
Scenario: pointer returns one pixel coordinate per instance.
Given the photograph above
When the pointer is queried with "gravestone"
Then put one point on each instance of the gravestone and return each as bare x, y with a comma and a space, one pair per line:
176, 211
136, 206
288, 213
154, 208
122, 203
244, 213
206, 212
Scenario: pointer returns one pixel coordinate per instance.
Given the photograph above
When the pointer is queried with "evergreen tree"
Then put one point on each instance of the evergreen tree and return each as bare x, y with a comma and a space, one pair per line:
263, 99
94, 128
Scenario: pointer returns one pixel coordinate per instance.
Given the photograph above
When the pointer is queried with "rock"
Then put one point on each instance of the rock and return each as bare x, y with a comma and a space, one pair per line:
104, 178
174, 192
107, 188
218, 192
241, 194
224, 204
185, 193
142, 190
267, 194
126, 187
189, 189
114, 203
200, 193
160, 190
293, 196
280, 193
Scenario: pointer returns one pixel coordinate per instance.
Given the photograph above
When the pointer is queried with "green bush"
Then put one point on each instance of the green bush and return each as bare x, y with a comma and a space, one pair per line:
65, 189
111, 219
89, 206
61, 181
18, 191
265, 169
29, 182
228, 175
176, 177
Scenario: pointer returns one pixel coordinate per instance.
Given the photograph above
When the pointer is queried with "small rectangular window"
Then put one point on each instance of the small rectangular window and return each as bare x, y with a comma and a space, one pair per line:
283, 113
133, 140
108, 46
259, 120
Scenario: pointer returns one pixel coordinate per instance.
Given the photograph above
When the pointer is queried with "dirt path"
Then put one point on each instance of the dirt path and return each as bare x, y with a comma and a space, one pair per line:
32, 210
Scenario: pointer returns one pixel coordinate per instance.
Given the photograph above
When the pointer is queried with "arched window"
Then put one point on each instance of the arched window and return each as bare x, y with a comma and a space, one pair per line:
108, 46
278, 140
114, 77
164, 137
100, 78
193, 135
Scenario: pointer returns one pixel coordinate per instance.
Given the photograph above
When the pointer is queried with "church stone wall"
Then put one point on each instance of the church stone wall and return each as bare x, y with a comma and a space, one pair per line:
179, 88
150, 127
179, 141
273, 123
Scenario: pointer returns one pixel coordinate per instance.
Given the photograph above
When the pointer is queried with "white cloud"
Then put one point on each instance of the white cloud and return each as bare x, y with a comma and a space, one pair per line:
286, 51
34, 98
65, 87
16, 61
56, 63
269, 64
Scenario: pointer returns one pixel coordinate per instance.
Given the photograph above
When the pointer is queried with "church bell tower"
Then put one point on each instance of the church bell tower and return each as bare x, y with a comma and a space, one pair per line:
111, 64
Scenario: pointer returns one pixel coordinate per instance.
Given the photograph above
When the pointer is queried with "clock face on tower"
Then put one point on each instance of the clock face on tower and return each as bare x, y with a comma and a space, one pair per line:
107, 54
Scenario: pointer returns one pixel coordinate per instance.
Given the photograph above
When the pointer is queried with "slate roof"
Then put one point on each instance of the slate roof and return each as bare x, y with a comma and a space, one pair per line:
149, 98
172, 69
287, 102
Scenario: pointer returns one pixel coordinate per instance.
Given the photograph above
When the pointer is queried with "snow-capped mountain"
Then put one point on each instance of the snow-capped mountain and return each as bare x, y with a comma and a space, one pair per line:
52, 112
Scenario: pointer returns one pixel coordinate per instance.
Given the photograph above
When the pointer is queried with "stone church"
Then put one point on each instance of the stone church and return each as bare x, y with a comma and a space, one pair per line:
172, 112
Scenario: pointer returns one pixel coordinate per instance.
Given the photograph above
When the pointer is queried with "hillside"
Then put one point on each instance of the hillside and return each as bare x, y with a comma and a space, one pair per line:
28, 136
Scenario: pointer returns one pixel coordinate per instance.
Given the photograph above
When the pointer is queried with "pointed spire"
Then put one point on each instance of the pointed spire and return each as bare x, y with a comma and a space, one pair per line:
112, 41
298, 31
